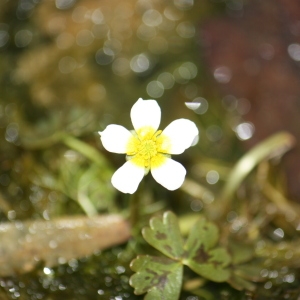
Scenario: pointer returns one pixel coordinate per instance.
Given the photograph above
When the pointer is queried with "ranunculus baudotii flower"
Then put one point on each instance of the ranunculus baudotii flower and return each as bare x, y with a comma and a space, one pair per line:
148, 148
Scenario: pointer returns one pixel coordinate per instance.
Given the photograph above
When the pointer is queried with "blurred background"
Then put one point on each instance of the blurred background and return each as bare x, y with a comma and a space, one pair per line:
68, 68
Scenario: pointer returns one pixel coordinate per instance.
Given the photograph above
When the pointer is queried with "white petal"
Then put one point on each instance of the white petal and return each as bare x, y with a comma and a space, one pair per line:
171, 174
181, 134
115, 138
145, 113
128, 177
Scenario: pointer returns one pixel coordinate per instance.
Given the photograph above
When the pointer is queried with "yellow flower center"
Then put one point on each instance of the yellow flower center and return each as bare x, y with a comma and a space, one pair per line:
148, 148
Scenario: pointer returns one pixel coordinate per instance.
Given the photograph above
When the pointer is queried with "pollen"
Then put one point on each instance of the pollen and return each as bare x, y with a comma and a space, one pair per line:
148, 148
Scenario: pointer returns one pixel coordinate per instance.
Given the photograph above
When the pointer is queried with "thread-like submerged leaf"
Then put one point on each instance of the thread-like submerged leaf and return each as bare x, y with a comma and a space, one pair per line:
202, 257
161, 277
164, 235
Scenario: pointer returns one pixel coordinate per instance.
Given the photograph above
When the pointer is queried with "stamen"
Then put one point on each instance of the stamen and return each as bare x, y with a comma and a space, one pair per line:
145, 147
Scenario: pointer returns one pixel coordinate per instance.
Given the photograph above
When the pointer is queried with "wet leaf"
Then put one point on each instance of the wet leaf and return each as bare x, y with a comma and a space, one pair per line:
164, 235
159, 276
202, 258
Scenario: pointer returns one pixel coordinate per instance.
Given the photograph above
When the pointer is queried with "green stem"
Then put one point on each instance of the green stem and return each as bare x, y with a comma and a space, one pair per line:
85, 149
274, 146
135, 209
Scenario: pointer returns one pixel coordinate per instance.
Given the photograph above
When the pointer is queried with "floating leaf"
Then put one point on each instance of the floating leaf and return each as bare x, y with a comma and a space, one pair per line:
161, 277
164, 235
201, 258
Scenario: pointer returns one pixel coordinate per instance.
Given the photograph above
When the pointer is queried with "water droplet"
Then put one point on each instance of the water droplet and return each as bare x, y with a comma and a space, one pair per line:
278, 233
290, 278
146, 33
264, 273
152, 17
48, 271
268, 285
196, 205
155, 89
214, 133
79, 14
84, 38
172, 13
64, 4
97, 16
208, 197
139, 63
121, 66
212, 177
192, 105
266, 51
273, 274
231, 216
195, 140
104, 56
100, 31
11, 215
12, 132
53, 244
294, 51
186, 30
185, 72
67, 65
167, 80
203, 107
222, 74
244, 131
23, 38
4, 37
100, 292
120, 269
184, 4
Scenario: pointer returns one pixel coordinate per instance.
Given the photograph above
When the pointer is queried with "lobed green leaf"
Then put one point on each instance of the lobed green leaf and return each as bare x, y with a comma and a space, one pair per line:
202, 257
164, 235
160, 277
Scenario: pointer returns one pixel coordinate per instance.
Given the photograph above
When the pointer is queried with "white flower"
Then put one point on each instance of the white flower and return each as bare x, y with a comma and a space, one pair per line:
148, 148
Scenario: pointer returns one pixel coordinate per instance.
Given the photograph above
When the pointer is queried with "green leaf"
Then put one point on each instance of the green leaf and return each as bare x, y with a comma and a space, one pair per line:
164, 235
240, 252
250, 271
160, 277
211, 265
203, 234
201, 257
240, 283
